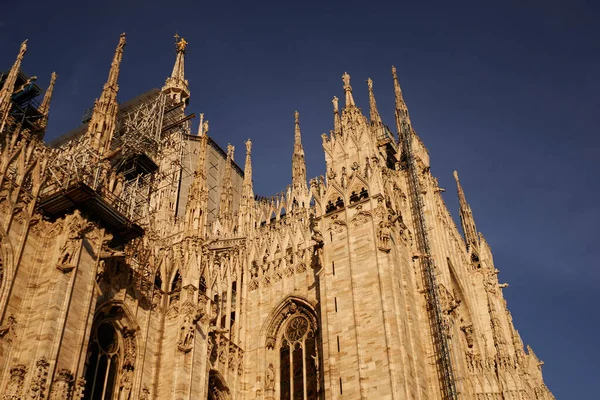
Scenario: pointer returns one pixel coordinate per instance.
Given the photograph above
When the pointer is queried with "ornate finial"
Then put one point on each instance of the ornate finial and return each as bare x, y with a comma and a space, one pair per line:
248, 147
230, 150
370, 84
296, 117
335, 102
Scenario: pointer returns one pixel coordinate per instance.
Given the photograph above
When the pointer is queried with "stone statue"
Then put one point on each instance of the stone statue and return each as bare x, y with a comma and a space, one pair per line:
270, 378
384, 236
186, 334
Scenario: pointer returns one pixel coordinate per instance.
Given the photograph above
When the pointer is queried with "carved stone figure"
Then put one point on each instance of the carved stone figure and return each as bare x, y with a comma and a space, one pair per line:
125, 384
270, 377
186, 334
468, 331
384, 236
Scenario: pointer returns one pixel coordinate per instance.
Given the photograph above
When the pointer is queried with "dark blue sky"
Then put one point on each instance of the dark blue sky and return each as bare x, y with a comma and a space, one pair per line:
507, 95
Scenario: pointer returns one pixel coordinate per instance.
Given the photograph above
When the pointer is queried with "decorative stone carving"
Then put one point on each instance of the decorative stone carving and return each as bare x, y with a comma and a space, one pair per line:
129, 348
468, 331
7, 331
384, 236
37, 388
79, 389
186, 334
145, 394
62, 385
125, 384
14, 388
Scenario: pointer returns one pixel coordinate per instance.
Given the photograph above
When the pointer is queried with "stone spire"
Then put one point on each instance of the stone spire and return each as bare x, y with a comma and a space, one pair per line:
402, 118
226, 201
101, 127
247, 202
348, 90
45, 106
337, 121
195, 218
298, 162
375, 117
176, 86
9, 87
466, 216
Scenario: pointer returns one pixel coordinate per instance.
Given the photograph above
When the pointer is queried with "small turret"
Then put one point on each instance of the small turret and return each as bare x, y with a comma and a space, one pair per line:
176, 86
9, 86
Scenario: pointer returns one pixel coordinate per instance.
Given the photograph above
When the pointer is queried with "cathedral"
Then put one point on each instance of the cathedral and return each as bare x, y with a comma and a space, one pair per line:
136, 262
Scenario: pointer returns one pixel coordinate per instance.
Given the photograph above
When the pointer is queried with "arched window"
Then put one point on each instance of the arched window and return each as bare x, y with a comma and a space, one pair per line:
299, 361
103, 362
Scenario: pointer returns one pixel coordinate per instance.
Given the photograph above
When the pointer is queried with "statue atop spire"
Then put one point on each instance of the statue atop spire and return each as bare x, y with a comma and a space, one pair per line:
176, 86
466, 216
9, 87
375, 117
348, 90
101, 127
45, 106
298, 163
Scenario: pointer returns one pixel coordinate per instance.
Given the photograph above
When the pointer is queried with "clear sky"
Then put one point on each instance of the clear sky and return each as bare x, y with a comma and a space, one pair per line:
506, 94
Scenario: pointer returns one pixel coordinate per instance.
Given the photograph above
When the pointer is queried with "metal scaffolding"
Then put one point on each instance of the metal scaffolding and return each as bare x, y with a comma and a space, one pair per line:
146, 154
436, 319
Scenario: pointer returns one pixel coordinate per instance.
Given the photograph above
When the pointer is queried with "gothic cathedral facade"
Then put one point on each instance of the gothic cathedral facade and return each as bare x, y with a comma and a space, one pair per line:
136, 262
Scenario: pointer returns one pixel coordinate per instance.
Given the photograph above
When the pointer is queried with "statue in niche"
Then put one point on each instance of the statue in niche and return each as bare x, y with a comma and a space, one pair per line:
384, 235
186, 334
67, 252
270, 377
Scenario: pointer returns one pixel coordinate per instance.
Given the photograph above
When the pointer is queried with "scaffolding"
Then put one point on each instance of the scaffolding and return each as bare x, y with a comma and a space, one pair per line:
146, 154
432, 296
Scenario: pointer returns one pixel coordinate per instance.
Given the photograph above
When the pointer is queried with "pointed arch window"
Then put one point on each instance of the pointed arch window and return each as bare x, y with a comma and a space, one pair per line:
103, 362
299, 361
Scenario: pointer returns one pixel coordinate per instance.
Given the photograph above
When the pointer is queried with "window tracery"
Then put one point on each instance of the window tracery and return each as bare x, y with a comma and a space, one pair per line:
298, 360
103, 362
